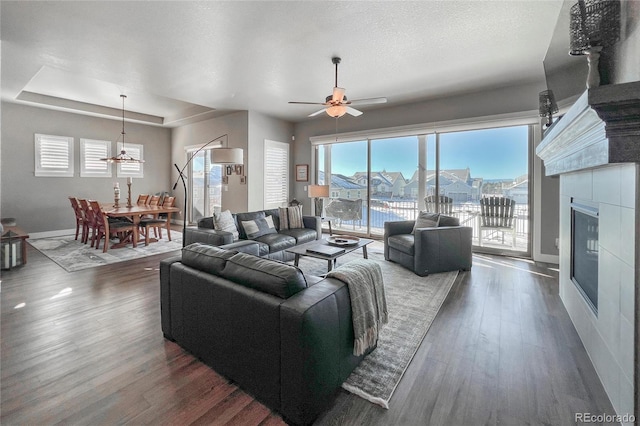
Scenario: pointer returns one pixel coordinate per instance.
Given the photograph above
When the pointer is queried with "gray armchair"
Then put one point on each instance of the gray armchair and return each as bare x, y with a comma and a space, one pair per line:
430, 250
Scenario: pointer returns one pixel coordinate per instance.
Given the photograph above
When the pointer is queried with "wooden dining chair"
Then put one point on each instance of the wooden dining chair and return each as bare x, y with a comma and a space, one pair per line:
142, 199
153, 200
80, 220
122, 229
157, 222
89, 221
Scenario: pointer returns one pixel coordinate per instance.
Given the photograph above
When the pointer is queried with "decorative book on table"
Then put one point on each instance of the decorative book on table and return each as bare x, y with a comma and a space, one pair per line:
325, 250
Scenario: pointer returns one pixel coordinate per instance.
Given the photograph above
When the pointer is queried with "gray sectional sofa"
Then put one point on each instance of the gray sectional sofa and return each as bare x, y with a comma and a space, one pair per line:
285, 337
271, 246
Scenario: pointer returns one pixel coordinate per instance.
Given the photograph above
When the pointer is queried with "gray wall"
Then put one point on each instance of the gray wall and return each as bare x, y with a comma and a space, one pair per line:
236, 126
263, 127
40, 204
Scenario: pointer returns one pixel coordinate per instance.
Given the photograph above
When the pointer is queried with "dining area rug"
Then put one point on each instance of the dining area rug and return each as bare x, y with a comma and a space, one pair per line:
72, 255
413, 303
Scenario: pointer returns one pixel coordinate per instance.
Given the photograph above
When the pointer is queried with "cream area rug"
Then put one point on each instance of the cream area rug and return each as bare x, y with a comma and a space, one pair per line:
413, 303
73, 256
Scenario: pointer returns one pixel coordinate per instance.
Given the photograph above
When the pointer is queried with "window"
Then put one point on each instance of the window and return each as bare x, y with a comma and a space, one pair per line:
53, 155
91, 152
276, 174
132, 169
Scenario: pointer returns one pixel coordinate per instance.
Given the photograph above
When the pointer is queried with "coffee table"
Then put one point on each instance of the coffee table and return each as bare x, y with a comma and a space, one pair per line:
301, 250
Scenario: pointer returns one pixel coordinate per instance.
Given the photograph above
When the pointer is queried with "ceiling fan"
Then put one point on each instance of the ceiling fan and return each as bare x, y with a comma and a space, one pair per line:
336, 104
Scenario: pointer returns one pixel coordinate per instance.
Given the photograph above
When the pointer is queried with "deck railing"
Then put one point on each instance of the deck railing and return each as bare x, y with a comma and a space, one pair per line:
468, 213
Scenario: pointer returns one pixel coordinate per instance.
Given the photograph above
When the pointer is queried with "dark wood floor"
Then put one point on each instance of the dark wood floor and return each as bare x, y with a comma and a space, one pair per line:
86, 348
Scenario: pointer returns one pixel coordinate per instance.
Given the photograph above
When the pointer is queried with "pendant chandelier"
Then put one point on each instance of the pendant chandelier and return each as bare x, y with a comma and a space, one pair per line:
123, 157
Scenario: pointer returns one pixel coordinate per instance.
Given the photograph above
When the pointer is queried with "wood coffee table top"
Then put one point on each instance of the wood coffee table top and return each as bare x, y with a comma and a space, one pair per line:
302, 250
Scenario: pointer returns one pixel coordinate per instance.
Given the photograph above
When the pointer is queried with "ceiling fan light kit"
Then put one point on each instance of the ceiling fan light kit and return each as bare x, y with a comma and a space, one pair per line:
336, 105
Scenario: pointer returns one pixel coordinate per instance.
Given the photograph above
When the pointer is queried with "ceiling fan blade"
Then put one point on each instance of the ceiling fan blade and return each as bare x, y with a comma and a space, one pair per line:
353, 111
368, 101
313, 114
307, 103
338, 94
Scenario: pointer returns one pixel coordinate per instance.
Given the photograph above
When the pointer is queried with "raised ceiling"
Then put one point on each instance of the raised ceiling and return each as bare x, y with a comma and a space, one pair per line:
184, 61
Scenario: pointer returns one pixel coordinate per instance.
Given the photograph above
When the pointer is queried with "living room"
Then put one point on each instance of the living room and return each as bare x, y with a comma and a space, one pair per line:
34, 103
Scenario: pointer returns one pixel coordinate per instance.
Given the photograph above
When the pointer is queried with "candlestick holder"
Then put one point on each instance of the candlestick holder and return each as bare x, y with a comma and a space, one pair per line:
129, 205
116, 197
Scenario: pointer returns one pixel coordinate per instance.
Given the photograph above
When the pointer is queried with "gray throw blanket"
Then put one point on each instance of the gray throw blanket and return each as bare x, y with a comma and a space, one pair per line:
368, 303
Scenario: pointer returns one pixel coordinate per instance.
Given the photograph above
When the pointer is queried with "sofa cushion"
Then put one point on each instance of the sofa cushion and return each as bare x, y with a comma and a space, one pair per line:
426, 220
258, 227
277, 242
302, 236
206, 222
448, 221
291, 217
206, 258
244, 217
223, 221
269, 276
403, 242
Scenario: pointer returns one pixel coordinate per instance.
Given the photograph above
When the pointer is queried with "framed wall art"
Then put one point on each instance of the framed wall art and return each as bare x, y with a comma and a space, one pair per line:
302, 172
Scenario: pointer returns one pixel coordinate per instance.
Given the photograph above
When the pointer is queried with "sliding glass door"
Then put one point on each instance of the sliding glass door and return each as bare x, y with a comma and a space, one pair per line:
484, 175
468, 174
205, 186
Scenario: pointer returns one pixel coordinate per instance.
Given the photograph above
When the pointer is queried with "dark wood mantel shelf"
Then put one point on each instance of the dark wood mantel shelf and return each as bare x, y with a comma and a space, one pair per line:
602, 127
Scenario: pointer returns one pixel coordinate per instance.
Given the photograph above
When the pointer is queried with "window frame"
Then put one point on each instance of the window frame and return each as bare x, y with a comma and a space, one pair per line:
83, 158
139, 173
283, 174
43, 171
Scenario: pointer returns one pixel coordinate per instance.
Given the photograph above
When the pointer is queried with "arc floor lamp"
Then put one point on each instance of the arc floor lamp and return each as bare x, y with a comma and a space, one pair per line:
221, 155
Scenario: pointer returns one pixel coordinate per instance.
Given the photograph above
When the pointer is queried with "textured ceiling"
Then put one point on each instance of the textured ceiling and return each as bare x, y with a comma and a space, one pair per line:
178, 61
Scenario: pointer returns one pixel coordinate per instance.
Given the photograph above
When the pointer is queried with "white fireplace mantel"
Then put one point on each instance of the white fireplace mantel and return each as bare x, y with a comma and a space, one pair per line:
602, 127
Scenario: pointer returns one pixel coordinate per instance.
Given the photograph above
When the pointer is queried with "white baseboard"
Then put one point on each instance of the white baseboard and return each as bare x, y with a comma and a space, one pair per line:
58, 233
547, 258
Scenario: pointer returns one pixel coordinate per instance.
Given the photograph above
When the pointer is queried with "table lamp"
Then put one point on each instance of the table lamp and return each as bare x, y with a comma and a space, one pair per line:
318, 192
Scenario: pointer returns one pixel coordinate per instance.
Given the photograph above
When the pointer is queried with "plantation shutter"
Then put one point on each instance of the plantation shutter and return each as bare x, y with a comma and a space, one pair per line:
91, 152
53, 155
276, 174
132, 169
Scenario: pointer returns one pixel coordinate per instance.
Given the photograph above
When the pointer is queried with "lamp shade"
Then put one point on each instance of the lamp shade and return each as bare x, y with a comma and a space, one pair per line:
547, 103
227, 156
315, 191
593, 23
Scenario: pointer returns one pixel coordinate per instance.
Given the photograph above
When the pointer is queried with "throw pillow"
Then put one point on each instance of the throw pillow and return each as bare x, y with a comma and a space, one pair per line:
259, 227
448, 221
426, 220
291, 217
223, 221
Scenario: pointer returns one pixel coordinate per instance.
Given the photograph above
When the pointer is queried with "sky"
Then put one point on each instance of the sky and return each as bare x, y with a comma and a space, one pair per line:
499, 153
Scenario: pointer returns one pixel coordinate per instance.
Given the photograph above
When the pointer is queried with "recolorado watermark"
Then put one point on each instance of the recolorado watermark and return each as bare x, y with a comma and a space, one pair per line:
604, 418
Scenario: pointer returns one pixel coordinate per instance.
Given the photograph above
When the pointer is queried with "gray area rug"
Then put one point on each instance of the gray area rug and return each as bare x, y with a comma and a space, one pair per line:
73, 256
413, 303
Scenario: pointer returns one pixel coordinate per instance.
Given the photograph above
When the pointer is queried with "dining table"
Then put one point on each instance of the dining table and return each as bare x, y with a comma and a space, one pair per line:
135, 214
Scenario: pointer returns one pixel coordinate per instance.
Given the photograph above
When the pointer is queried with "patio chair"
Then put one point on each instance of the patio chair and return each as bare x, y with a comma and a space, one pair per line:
446, 204
344, 209
497, 214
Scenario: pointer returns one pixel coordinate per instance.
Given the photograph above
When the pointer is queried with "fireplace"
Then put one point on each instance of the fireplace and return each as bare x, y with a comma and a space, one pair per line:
584, 251
595, 150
